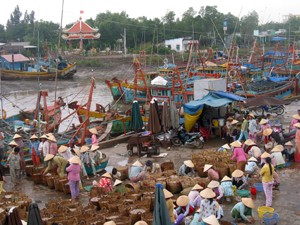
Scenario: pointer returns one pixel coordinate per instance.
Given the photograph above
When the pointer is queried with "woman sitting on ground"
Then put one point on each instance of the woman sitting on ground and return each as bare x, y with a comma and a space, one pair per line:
289, 151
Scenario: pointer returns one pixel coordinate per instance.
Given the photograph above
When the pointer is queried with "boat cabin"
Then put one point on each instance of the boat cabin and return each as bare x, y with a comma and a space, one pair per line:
14, 62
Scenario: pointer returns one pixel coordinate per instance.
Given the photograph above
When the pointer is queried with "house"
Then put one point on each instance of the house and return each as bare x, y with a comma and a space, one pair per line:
180, 44
14, 62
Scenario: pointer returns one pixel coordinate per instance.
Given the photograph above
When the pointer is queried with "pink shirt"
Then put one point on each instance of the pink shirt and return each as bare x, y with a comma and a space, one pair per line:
264, 126
73, 172
195, 198
297, 136
213, 175
239, 155
293, 122
52, 148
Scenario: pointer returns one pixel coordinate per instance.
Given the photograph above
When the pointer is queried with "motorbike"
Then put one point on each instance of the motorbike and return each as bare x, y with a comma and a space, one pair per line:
185, 138
277, 109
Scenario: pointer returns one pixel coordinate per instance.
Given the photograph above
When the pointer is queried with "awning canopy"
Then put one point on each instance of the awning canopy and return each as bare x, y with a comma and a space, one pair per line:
159, 81
213, 99
264, 100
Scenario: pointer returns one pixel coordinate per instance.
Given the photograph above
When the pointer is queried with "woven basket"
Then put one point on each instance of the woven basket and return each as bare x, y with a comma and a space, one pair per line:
174, 186
167, 166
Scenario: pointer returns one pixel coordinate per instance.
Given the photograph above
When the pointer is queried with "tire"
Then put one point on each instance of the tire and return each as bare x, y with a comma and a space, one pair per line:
259, 111
175, 141
198, 143
279, 111
130, 152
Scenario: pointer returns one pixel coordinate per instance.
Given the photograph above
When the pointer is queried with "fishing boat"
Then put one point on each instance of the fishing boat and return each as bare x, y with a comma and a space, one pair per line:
18, 66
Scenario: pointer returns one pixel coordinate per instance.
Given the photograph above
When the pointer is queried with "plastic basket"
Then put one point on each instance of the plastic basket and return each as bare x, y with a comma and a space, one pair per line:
264, 209
259, 187
243, 193
270, 218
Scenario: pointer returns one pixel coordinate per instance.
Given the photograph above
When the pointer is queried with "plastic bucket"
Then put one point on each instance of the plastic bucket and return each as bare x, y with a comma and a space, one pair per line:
253, 191
270, 218
221, 122
264, 209
259, 186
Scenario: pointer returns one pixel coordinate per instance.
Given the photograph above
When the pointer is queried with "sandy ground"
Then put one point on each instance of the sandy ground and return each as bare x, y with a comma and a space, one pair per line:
286, 200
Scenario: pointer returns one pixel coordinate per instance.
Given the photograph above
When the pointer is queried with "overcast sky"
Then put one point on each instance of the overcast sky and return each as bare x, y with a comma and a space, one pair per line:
268, 10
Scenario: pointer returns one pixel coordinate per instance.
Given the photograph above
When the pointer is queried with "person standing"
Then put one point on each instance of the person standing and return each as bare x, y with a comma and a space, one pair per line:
2, 177
74, 176
297, 143
263, 126
13, 161
18, 139
84, 157
53, 149
267, 174
244, 129
1, 144
239, 155
34, 150
44, 147
170, 206
253, 128
95, 136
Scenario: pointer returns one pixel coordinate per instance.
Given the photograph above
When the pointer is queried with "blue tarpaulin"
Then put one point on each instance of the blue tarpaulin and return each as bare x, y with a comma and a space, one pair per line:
213, 99
278, 38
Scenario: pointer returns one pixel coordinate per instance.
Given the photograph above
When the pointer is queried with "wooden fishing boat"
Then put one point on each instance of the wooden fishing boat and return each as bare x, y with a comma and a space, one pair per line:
99, 167
17, 66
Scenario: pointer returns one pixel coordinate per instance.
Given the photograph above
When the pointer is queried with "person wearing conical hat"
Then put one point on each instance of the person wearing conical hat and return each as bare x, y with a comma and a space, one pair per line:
226, 184
296, 119
297, 142
84, 157
95, 136
243, 211
212, 174
74, 176
217, 188
211, 220
187, 169
184, 206
224, 148
65, 152
255, 152
119, 187
141, 222
109, 223
53, 148
264, 124
239, 155
244, 128
239, 179
18, 139
209, 206
253, 128
136, 172
152, 168
228, 129
194, 196
56, 160
251, 167
289, 151
170, 206
44, 148
267, 174
34, 144
13, 161
106, 182
276, 153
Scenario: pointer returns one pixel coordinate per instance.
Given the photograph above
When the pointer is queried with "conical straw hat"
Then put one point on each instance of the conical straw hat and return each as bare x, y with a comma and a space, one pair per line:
211, 220
44, 136
289, 143
189, 163
251, 114
249, 142
213, 184
137, 163
182, 200
94, 148
278, 148
167, 194
197, 187
237, 173
252, 159
62, 149
268, 145
263, 121
226, 178
33, 137
248, 202
109, 223
234, 122
77, 151
141, 222
75, 160
207, 167
265, 155
93, 130
84, 149
117, 182
267, 132
236, 144
17, 136
297, 125
106, 175
296, 116
51, 138
226, 146
207, 193
13, 143
48, 157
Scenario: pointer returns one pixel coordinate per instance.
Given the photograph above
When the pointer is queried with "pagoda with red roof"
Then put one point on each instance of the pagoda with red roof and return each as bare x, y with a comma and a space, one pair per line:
80, 31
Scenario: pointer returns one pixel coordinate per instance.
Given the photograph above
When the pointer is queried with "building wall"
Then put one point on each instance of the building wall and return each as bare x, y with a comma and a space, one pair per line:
175, 44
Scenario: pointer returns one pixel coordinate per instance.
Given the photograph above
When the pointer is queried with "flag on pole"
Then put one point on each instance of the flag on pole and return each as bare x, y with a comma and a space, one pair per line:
81, 11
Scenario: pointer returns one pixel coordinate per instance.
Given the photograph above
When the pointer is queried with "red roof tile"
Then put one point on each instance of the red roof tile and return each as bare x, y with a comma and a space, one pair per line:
17, 58
80, 27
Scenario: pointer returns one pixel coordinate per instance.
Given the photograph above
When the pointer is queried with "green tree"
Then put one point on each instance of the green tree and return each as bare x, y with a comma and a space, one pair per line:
249, 23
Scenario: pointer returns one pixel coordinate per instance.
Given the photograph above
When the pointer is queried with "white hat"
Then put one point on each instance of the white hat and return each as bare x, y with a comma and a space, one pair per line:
62, 149
252, 159
289, 143
93, 130
51, 138
249, 142
137, 163
77, 151
106, 175
278, 148
236, 144
234, 122
75, 160
197, 187
226, 178
94, 148
248, 202
207, 193
226, 146
237, 173
189, 163
265, 155
141, 222
48, 157
13, 143
84, 149
34, 137
117, 182
267, 132
17, 136
182, 200
167, 193
44, 136
213, 184
109, 223
211, 220
251, 114
207, 167
263, 121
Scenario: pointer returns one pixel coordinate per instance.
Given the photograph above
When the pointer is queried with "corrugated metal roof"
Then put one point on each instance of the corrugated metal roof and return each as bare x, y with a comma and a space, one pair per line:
17, 58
